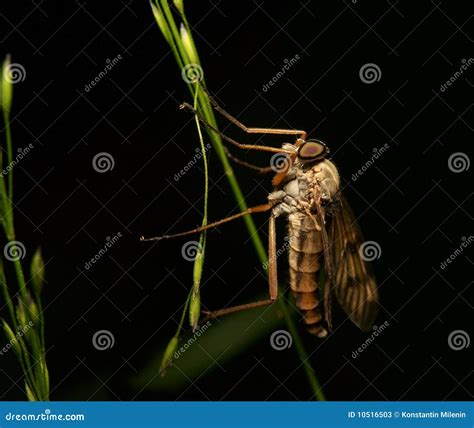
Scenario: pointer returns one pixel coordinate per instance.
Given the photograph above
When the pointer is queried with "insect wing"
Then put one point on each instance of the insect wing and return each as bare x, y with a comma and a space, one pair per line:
355, 284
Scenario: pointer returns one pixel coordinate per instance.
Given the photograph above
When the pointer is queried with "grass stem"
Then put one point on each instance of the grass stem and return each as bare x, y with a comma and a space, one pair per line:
182, 53
26, 317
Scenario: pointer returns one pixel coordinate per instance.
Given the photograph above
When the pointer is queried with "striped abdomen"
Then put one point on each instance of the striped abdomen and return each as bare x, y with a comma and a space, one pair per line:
305, 256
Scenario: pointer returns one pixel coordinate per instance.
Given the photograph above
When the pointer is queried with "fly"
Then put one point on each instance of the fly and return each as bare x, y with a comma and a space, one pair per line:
323, 235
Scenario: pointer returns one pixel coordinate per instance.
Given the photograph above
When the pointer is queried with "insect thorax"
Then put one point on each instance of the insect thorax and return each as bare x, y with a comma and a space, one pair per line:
306, 185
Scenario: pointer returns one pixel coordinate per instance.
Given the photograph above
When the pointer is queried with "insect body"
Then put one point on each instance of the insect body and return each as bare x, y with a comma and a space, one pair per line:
323, 235
308, 186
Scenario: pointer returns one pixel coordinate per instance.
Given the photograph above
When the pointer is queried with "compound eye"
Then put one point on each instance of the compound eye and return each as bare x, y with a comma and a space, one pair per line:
312, 150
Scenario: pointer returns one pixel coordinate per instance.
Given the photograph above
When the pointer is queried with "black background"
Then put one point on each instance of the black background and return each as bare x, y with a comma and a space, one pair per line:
409, 202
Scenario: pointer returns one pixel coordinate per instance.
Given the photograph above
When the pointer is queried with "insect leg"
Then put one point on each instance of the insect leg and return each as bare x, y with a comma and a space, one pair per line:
272, 260
238, 308
252, 210
244, 128
261, 170
231, 140
272, 279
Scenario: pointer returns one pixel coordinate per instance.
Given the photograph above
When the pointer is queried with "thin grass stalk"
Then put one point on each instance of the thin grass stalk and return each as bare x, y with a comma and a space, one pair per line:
195, 305
167, 358
182, 55
29, 346
8, 137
